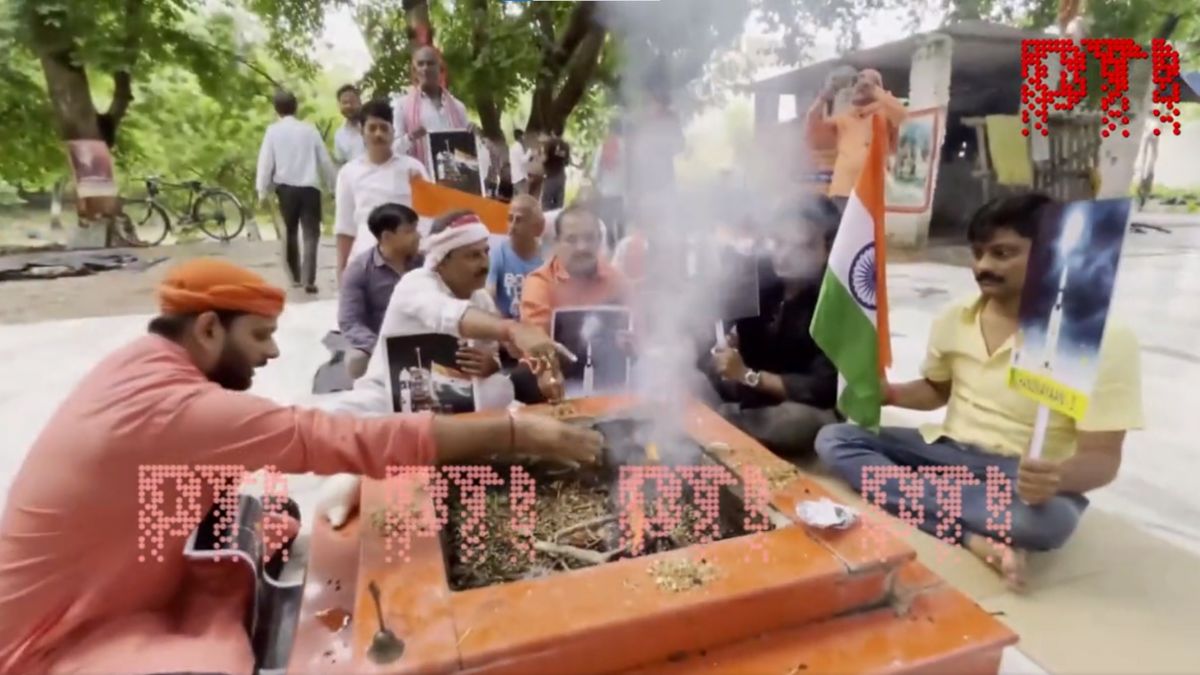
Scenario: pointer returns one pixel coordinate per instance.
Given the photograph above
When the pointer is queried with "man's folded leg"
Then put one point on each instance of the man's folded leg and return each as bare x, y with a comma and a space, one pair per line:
356, 363
889, 462
1044, 527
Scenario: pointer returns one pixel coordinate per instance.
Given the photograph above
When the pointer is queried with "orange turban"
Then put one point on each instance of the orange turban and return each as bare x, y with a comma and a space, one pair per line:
211, 284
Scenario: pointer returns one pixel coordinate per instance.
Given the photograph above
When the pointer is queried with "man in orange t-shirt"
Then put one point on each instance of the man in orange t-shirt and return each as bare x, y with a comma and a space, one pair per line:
822, 148
851, 129
576, 276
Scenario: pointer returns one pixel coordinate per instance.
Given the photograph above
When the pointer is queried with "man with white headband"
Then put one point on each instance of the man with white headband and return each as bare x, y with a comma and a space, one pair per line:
447, 296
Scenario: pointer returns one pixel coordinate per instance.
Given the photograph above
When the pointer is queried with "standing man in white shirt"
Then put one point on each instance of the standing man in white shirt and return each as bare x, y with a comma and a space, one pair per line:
381, 176
427, 107
518, 162
294, 161
348, 141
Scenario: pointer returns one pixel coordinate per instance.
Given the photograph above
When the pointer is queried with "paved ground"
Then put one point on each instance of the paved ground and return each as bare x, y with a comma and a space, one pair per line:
1160, 280
132, 292
129, 292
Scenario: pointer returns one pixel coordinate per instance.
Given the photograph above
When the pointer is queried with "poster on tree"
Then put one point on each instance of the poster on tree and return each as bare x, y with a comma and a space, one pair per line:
92, 165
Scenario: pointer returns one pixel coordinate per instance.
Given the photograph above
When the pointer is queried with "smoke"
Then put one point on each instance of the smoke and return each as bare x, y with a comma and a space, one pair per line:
591, 327
665, 45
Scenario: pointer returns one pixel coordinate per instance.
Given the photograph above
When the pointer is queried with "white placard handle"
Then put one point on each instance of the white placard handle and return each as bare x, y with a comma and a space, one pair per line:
1040, 422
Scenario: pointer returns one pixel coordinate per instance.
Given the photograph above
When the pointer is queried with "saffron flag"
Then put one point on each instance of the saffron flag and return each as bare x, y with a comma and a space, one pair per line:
432, 200
850, 323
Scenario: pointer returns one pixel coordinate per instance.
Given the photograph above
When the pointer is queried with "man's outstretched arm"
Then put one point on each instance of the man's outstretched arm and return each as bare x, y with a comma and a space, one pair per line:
222, 427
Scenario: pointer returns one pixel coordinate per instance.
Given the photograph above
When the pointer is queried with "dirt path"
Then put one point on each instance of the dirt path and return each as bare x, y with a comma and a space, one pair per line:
132, 292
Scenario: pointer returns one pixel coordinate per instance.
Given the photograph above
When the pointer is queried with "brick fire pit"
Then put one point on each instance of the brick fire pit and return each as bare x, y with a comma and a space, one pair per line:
788, 600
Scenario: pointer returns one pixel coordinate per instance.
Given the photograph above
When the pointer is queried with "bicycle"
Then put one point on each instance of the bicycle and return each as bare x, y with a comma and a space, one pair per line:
208, 208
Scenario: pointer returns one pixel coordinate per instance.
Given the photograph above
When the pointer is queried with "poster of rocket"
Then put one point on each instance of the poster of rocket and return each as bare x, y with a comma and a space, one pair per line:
1064, 308
597, 336
424, 375
455, 161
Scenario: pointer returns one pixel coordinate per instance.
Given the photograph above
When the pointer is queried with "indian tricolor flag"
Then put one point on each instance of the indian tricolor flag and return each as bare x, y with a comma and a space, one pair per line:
850, 323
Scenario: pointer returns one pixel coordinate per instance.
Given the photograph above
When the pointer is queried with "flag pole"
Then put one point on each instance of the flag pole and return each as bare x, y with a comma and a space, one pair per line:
879, 153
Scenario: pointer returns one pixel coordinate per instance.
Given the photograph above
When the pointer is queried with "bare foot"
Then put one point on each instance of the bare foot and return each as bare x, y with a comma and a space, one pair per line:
1008, 561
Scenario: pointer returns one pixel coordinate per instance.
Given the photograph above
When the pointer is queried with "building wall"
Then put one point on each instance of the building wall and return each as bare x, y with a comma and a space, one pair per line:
1176, 166
928, 87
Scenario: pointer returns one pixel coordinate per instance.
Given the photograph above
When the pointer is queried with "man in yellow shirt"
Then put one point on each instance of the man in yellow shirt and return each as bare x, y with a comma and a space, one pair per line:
988, 426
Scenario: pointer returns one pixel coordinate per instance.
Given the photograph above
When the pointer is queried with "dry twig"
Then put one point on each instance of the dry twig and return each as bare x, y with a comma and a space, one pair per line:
585, 525
580, 554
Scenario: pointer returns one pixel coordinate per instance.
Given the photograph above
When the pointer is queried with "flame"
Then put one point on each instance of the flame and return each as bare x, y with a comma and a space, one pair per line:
637, 523
652, 453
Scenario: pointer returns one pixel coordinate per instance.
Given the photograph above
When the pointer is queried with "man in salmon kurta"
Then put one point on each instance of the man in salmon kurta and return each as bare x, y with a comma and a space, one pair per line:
74, 596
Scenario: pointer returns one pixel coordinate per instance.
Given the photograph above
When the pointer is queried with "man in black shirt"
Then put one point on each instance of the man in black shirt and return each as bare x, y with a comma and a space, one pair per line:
556, 156
776, 383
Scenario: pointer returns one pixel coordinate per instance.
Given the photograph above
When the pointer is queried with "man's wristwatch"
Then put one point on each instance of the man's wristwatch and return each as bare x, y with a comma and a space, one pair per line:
752, 378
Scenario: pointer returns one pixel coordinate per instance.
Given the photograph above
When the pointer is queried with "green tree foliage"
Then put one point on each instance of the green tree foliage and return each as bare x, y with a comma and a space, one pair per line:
495, 52
179, 134
175, 85
29, 148
184, 85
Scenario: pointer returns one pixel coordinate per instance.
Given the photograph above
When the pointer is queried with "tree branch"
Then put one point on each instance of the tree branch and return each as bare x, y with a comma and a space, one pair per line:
579, 75
485, 100
578, 25
546, 113
123, 77
1167, 27
543, 91
122, 96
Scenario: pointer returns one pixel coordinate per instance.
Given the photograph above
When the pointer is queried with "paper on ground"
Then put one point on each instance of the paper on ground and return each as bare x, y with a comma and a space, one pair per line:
826, 513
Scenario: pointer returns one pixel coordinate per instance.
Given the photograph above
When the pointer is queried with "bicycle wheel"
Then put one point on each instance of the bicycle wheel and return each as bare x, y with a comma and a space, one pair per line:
150, 221
219, 214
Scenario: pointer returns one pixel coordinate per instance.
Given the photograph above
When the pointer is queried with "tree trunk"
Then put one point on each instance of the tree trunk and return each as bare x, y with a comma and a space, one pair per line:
56, 200
74, 111
416, 15
75, 114
70, 97
485, 102
580, 71
572, 59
